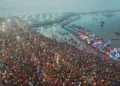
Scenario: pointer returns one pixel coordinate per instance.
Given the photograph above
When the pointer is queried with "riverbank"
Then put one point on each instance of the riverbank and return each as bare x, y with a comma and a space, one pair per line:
76, 33
110, 27
31, 59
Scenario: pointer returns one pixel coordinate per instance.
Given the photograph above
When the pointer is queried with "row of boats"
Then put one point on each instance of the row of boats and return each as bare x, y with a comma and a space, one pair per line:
100, 45
97, 44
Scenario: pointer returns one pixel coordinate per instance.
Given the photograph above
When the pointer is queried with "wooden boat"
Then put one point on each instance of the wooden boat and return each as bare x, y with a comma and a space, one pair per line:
102, 22
109, 15
115, 38
108, 48
117, 33
102, 51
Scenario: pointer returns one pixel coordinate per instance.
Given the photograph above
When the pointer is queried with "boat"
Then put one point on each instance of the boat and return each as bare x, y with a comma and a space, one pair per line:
117, 33
104, 45
109, 48
115, 38
102, 51
113, 57
109, 14
102, 40
102, 22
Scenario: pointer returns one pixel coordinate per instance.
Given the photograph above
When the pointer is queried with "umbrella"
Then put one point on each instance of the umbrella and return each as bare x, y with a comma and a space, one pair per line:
117, 55
111, 53
118, 50
115, 50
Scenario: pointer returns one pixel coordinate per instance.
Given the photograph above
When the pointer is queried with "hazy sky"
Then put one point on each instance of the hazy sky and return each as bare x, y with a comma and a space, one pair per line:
22, 6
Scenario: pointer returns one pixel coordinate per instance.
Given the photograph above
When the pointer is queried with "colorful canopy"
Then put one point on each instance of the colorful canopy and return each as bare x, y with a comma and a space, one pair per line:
118, 50
115, 50
111, 53
117, 55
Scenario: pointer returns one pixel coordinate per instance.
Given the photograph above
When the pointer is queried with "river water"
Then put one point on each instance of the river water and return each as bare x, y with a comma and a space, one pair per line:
111, 25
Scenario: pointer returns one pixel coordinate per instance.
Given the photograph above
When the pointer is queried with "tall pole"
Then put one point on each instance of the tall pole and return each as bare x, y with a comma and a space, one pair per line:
3, 31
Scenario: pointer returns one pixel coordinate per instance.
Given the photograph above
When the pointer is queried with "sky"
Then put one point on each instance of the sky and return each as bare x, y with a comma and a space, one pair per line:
9, 7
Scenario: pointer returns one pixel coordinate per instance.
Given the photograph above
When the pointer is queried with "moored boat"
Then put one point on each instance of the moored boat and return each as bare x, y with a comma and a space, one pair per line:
117, 33
109, 48
115, 38
102, 22
102, 51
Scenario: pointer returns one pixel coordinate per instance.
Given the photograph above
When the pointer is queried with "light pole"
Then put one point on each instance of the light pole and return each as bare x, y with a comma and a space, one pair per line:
3, 31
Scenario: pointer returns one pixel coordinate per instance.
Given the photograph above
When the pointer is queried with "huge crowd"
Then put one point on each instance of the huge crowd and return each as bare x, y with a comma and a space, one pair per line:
31, 59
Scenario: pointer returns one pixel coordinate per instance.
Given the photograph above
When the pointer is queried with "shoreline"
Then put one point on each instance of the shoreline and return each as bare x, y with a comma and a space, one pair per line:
87, 45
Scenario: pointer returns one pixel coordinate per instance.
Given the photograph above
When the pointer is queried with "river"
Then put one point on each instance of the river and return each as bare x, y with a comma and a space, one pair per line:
111, 25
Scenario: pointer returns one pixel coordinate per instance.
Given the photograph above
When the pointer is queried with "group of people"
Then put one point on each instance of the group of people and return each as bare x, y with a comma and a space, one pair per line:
31, 59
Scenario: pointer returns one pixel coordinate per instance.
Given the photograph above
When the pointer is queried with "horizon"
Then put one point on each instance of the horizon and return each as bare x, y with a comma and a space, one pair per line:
20, 7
